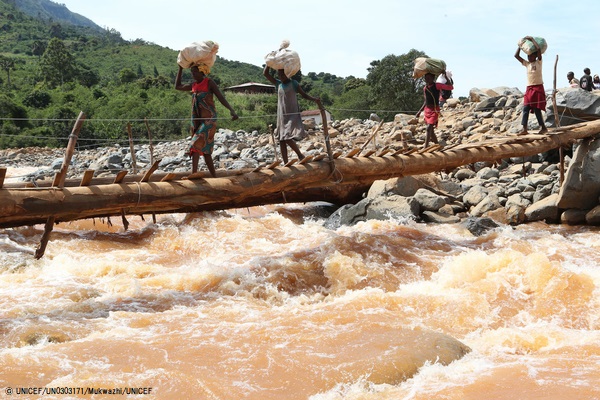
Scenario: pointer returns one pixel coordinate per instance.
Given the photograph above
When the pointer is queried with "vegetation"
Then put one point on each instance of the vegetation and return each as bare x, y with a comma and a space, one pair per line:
50, 71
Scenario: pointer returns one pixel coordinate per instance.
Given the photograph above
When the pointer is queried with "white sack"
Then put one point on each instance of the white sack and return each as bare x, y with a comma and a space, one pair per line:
198, 53
285, 59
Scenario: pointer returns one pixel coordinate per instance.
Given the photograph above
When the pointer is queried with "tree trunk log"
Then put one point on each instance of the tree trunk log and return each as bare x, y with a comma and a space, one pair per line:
299, 183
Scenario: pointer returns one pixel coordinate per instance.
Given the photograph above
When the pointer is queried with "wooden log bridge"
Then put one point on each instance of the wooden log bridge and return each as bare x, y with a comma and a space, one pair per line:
308, 181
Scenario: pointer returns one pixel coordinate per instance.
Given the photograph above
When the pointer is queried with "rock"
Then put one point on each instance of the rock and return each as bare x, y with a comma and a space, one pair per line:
438, 218
489, 203
348, 214
464, 173
543, 210
573, 106
479, 226
488, 173
593, 217
574, 217
581, 187
394, 206
428, 200
406, 187
515, 209
475, 195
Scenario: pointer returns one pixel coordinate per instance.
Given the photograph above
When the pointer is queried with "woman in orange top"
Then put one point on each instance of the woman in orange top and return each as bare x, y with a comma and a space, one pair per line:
204, 114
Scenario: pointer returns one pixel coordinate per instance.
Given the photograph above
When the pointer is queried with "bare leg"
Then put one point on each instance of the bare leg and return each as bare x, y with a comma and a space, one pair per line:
283, 149
195, 158
294, 147
430, 136
210, 165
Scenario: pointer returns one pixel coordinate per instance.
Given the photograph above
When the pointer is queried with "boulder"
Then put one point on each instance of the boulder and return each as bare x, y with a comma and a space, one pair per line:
574, 105
394, 206
543, 210
475, 195
573, 217
581, 187
429, 201
406, 186
489, 203
593, 217
479, 226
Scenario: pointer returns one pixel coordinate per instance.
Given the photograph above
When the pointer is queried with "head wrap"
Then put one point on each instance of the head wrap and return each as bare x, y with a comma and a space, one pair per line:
205, 69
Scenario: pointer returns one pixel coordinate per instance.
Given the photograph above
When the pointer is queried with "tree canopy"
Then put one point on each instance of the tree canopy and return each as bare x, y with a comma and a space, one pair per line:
54, 70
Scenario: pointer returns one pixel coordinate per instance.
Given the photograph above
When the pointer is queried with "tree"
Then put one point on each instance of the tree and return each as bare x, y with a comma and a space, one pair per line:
57, 64
56, 31
354, 103
38, 48
392, 85
7, 64
126, 75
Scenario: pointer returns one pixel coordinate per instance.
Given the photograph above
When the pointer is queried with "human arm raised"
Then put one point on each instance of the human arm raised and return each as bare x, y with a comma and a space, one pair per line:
178, 84
267, 74
537, 46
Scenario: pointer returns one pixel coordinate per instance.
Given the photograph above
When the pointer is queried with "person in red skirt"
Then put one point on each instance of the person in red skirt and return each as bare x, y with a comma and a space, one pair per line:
535, 95
431, 105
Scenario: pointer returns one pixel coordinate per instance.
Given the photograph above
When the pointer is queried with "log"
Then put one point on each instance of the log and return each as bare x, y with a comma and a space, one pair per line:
300, 183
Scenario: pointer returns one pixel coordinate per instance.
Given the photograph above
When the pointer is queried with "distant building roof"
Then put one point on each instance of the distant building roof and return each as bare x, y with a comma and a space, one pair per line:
251, 87
309, 113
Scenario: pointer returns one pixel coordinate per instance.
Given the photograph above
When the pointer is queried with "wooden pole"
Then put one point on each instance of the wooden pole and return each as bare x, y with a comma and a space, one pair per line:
274, 143
131, 148
59, 182
377, 128
327, 142
302, 183
561, 151
150, 141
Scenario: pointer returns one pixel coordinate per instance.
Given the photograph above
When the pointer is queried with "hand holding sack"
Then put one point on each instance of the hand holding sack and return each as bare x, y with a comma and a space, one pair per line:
424, 65
285, 59
529, 48
198, 53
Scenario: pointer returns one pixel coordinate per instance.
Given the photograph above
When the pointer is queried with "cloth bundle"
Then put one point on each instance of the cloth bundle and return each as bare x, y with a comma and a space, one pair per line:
285, 59
529, 48
198, 53
424, 65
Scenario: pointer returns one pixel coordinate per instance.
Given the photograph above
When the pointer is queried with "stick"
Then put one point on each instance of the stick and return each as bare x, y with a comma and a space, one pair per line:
150, 140
274, 144
557, 123
59, 181
372, 135
327, 143
131, 149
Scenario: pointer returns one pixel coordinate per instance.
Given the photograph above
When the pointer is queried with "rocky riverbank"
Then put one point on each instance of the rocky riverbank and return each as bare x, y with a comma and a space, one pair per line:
511, 191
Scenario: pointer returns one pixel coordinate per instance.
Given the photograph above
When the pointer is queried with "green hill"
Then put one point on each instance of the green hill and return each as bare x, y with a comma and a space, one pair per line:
50, 11
54, 64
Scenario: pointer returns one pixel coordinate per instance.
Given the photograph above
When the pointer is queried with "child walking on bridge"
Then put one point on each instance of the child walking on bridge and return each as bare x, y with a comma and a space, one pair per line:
535, 95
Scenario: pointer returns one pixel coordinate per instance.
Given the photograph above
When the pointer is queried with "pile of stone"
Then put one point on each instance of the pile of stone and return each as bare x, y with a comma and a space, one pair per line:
513, 191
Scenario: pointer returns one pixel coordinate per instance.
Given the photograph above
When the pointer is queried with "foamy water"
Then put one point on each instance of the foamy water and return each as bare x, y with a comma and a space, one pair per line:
266, 303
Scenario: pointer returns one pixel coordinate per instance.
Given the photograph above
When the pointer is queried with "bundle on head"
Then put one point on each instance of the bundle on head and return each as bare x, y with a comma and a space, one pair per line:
285, 59
198, 53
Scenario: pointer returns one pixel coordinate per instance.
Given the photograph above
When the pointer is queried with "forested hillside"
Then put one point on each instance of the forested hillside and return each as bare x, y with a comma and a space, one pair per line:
50, 71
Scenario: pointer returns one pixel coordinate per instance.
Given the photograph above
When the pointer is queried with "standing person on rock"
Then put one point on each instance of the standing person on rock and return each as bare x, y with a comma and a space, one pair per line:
289, 123
431, 105
204, 114
535, 95
586, 82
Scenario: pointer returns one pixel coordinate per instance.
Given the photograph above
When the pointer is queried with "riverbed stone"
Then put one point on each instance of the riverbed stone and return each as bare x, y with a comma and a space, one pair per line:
544, 210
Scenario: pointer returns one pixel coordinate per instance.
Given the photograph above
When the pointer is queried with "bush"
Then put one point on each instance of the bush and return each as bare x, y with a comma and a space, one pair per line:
38, 99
